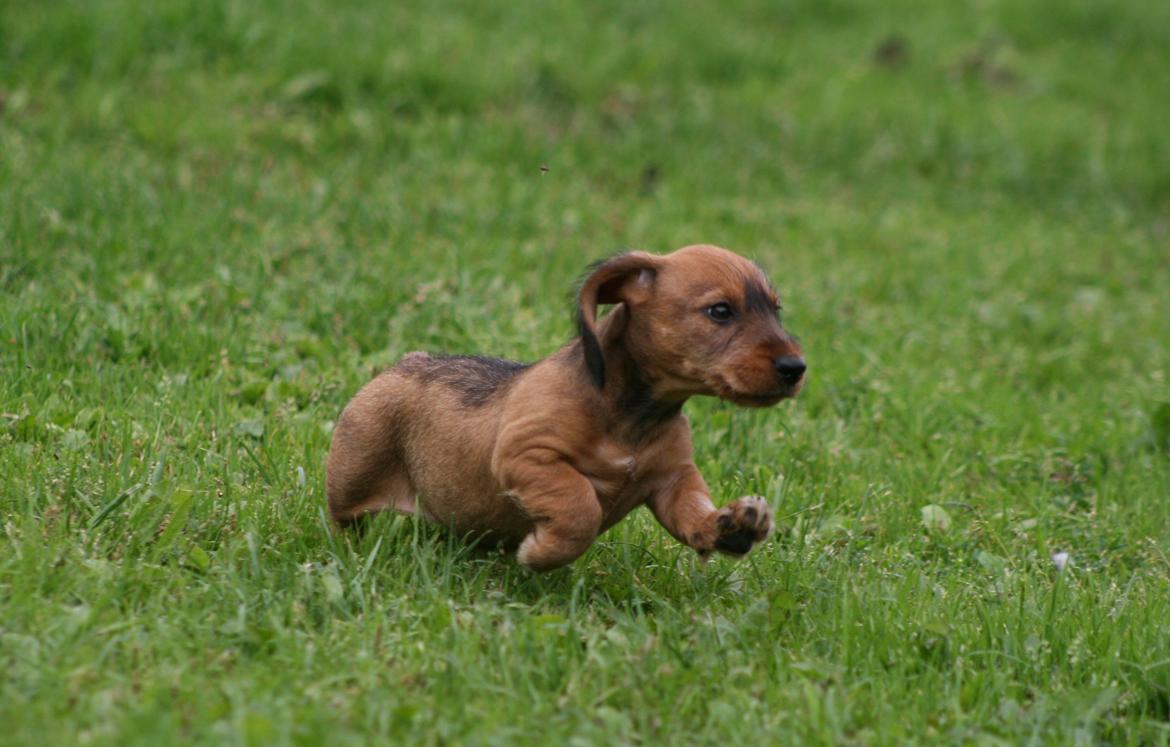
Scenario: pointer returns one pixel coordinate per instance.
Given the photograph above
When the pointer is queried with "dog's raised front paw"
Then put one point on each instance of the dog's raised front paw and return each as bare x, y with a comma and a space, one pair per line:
741, 524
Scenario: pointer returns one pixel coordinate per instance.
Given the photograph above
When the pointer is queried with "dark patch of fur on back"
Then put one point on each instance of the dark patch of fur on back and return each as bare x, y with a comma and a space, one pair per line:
475, 377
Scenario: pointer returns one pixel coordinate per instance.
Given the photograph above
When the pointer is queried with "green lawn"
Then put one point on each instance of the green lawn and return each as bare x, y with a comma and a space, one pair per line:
218, 217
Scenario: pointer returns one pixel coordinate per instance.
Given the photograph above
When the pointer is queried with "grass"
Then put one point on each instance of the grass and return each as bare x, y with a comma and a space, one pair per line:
218, 217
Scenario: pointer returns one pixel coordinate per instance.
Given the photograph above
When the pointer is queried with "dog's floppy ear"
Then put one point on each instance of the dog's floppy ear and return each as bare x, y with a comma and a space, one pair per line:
627, 278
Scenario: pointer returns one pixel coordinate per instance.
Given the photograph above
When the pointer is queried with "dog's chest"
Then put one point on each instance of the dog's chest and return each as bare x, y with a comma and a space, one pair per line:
613, 469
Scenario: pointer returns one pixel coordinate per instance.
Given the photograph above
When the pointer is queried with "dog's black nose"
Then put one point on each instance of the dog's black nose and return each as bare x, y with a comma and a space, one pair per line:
790, 368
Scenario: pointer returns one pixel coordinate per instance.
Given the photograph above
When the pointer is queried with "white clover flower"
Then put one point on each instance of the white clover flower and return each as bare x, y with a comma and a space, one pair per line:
1060, 560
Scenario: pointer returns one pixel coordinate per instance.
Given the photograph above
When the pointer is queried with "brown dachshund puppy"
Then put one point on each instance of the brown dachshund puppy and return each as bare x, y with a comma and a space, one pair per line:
547, 456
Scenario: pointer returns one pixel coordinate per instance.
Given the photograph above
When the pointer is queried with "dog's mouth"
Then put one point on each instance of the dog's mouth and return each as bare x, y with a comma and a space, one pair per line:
759, 400
754, 399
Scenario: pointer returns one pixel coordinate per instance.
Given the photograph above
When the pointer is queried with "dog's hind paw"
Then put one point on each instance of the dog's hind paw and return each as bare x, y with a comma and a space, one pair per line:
741, 524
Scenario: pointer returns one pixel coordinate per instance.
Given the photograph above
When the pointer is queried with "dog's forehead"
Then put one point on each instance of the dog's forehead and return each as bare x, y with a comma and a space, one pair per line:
705, 267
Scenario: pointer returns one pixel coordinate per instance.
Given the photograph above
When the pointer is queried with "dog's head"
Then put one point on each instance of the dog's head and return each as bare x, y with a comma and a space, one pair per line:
701, 320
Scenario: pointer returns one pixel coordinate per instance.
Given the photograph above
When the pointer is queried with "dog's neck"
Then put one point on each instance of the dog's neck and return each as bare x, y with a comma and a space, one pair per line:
640, 402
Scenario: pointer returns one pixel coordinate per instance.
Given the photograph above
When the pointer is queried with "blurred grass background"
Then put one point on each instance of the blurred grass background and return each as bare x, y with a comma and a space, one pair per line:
217, 218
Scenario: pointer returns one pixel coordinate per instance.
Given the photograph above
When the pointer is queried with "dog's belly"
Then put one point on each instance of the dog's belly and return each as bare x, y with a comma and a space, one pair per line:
460, 492
457, 488
617, 506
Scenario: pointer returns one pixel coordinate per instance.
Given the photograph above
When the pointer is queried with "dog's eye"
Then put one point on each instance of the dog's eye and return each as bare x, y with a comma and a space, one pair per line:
720, 312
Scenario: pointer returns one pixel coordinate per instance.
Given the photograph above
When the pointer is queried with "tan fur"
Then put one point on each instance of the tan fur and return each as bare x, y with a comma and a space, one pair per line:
546, 458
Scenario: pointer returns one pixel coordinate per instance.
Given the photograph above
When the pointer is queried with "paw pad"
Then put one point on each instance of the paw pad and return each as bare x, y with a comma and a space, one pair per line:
743, 523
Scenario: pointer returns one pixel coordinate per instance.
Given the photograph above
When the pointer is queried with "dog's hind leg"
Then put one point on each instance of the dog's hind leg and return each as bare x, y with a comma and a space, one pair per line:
366, 473
352, 502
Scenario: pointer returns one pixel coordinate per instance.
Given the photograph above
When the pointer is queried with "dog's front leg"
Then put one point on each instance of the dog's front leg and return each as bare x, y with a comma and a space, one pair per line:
562, 503
684, 508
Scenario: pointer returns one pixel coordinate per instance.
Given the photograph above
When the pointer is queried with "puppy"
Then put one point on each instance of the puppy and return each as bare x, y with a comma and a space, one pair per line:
544, 457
